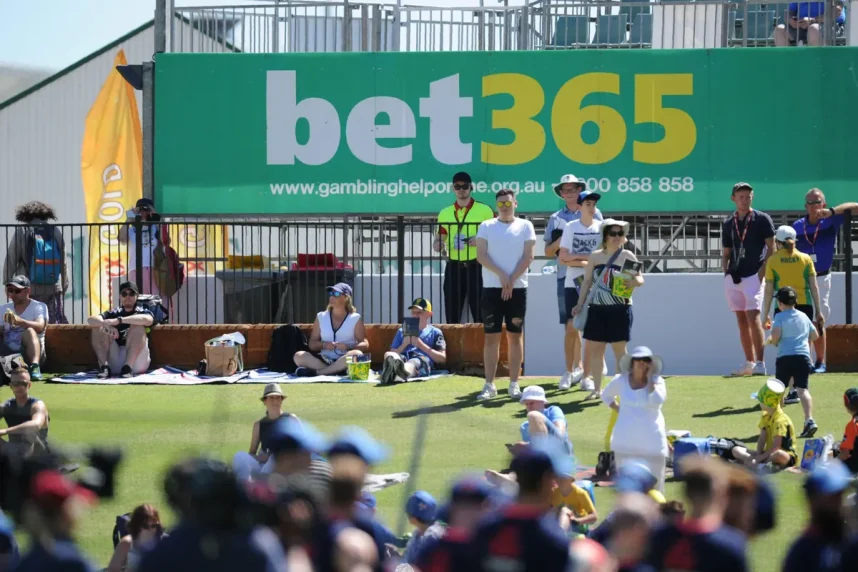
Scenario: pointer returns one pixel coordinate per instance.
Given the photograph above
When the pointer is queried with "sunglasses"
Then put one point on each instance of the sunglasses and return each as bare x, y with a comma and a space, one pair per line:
19, 384
643, 359
151, 525
461, 186
819, 202
616, 233
11, 290
128, 293
335, 293
505, 204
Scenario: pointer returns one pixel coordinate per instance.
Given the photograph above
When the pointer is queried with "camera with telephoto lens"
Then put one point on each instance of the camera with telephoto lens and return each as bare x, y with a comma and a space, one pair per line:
96, 468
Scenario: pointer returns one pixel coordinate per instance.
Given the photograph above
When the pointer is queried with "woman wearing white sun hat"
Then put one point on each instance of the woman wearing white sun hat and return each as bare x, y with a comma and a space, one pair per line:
639, 434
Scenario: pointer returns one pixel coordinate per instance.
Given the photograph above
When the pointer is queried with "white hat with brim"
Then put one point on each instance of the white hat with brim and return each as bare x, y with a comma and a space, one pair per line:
533, 393
568, 179
641, 352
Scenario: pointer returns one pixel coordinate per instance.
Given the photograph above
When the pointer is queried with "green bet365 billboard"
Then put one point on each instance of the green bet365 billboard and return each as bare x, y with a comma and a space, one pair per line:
652, 130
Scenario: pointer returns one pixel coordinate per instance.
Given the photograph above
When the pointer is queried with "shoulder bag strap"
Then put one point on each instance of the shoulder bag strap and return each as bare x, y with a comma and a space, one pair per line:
595, 285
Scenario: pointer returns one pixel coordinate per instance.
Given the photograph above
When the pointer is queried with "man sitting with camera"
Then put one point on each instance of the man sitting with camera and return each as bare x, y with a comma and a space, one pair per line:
119, 335
26, 417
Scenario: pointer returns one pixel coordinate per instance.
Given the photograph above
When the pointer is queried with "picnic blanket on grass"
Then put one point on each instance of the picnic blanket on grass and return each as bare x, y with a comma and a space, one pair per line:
175, 376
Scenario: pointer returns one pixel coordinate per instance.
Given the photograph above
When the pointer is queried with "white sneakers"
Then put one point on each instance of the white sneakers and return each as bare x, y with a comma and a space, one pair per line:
587, 384
750, 368
570, 378
604, 370
489, 391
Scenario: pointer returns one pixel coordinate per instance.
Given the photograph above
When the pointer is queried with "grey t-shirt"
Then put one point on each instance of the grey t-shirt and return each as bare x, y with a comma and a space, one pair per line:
12, 336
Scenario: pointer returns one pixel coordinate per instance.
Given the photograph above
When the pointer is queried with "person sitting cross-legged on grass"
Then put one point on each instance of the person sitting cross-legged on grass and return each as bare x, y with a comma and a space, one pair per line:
776, 444
792, 331
119, 336
415, 356
422, 511
847, 452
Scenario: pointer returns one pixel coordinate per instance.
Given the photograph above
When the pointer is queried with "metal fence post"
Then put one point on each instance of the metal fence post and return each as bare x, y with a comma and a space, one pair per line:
397, 25
847, 251
160, 26
400, 265
347, 26
138, 250
148, 129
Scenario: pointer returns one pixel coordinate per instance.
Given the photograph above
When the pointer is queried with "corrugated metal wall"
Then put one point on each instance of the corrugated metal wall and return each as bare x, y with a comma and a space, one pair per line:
41, 134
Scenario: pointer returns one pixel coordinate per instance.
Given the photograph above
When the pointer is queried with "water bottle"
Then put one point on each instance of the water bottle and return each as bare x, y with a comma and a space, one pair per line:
549, 269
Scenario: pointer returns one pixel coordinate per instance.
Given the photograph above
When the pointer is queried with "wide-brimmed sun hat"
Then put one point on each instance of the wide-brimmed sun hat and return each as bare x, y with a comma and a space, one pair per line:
641, 352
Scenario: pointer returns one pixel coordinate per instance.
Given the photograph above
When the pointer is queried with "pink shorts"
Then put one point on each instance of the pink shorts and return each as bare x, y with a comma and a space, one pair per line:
746, 295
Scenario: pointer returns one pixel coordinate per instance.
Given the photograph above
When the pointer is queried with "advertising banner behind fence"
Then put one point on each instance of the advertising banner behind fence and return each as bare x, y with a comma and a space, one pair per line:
652, 130
111, 167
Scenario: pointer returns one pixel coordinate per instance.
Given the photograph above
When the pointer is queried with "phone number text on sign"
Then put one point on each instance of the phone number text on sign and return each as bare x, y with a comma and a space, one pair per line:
642, 184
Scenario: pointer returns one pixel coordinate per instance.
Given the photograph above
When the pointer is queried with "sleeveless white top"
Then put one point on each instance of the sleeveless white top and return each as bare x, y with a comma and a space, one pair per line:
344, 334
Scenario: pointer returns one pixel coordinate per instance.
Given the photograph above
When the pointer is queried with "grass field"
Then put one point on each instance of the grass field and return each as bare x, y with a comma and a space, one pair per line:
158, 425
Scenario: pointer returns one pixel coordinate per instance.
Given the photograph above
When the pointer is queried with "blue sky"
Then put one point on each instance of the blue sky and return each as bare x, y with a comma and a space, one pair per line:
53, 34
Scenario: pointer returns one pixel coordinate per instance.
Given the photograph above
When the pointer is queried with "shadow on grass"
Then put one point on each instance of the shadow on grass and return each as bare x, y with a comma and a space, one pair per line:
462, 402
567, 408
727, 411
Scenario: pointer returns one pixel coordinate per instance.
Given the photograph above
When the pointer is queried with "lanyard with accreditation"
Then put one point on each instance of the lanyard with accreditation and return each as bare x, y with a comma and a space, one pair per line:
812, 243
749, 218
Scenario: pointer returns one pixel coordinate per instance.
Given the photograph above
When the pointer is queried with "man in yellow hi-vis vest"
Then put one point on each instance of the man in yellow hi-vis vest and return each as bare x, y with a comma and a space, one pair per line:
457, 236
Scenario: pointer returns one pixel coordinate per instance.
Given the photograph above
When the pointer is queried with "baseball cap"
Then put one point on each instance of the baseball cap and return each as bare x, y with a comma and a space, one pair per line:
545, 453
421, 304
831, 478
588, 196
50, 489
422, 506
288, 433
850, 398
533, 393
472, 488
356, 441
129, 286
19, 281
787, 295
741, 186
785, 233
567, 179
462, 177
635, 477
341, 287
145, 203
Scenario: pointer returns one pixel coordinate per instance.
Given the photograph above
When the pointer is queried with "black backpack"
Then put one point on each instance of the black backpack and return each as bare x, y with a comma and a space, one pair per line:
121, 528
285, 341
153, 304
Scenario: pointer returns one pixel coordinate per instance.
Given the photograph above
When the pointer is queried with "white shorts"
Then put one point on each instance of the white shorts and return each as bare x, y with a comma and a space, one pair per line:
824, 284
746, 295
117, 354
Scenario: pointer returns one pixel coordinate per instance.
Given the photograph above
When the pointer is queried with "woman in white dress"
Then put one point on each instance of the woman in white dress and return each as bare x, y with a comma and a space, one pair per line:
338, 332
639, 433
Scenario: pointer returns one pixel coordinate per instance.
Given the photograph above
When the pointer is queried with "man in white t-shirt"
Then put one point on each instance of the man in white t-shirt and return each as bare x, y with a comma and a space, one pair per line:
580, 237
505, 251
24, 322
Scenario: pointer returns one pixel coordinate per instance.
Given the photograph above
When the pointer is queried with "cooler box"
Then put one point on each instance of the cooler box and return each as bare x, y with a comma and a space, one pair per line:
688, 446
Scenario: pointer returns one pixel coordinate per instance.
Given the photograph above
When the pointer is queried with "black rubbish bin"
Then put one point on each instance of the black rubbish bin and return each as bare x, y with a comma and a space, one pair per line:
252, 296
307, 296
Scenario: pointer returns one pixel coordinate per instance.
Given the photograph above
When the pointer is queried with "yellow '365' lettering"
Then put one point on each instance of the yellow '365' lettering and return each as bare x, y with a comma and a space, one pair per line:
527, 101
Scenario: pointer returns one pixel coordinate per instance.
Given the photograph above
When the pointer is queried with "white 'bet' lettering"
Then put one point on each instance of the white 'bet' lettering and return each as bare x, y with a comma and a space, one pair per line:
443, 108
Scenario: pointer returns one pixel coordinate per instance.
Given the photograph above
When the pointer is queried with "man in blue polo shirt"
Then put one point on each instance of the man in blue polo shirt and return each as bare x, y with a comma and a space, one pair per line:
525, 535
816, 235
806, 23
543, 419
819, 547
568, 189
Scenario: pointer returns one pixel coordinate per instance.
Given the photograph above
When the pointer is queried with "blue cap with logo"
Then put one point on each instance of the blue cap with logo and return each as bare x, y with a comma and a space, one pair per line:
340, 288
288, 433
831, 478
356, 441
588, 196
422, 506
545, 453
635, 478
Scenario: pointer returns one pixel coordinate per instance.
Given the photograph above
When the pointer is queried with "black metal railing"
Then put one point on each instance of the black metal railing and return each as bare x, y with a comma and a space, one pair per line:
271, 271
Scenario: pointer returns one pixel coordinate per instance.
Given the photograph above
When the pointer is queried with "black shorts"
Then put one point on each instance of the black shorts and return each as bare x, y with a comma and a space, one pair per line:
572, 296
796, 368
497, 312
609, 324
805, 309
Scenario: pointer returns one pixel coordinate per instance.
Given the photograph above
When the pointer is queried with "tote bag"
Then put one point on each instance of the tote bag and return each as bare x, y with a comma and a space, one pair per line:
580, 320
